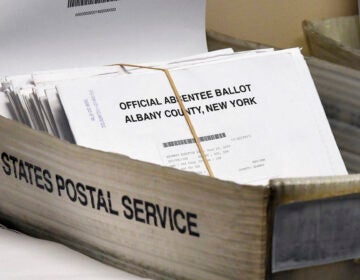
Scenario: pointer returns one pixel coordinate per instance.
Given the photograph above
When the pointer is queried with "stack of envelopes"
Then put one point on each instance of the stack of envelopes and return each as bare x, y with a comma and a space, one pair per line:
256, 114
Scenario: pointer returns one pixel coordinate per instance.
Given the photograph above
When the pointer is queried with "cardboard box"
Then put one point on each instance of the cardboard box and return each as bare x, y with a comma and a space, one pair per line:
164, 223
336, 40
275, 23
219, 230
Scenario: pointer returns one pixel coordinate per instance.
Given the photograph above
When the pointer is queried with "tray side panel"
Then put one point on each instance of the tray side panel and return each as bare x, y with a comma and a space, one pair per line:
150, 220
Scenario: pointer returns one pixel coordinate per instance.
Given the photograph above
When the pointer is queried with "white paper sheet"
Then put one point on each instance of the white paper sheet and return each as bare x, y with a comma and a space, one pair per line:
272, 124
26, 258
5, 109
41, 34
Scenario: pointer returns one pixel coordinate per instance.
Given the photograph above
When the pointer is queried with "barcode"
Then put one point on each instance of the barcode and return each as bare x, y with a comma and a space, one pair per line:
192, 140
78, 3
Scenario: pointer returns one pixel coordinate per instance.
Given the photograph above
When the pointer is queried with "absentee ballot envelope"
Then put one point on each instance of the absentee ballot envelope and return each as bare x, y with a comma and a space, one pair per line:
258, 117
41, 34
